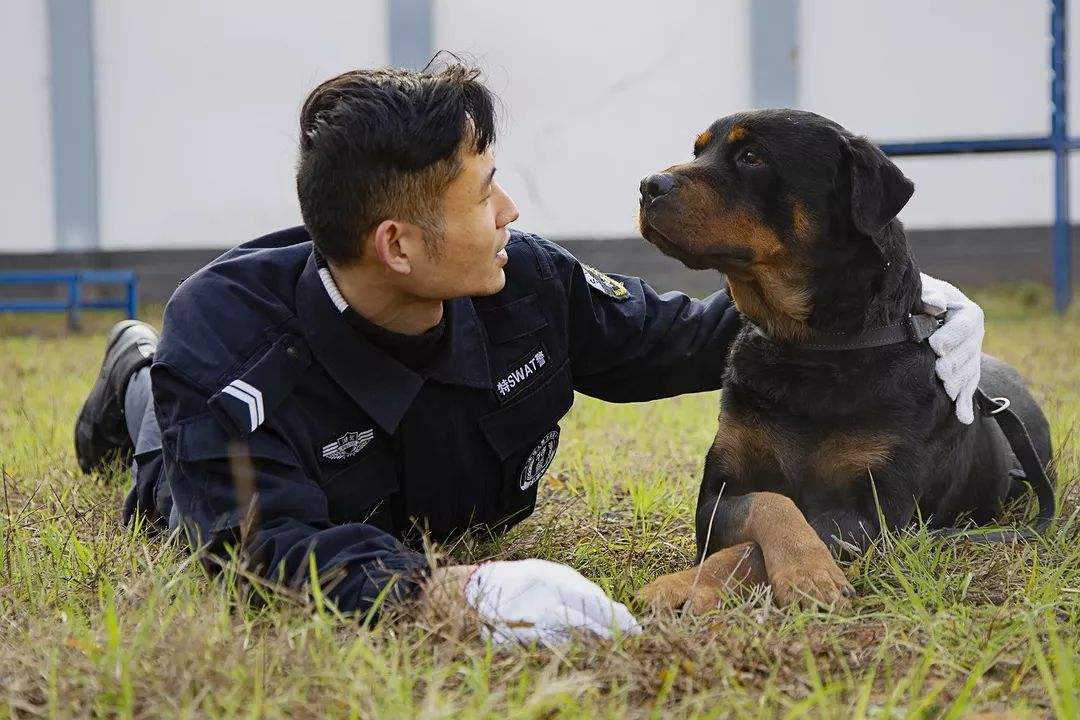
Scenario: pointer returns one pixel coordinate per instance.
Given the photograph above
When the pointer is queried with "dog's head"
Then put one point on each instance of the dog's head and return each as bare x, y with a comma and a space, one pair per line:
797, 212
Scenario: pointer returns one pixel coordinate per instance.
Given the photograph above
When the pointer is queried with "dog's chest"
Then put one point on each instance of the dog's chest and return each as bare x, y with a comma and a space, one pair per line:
761, 454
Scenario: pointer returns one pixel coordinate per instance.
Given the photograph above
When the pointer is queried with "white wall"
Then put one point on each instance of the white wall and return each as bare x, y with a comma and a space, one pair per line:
26, 206
198, 104
925, 69
598, 95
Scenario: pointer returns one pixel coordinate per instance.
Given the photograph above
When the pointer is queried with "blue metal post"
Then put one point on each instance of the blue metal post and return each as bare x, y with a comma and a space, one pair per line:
74, 302
133, 298
1062, 242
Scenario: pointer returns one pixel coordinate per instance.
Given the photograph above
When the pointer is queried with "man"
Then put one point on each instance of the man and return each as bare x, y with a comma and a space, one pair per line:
396, 367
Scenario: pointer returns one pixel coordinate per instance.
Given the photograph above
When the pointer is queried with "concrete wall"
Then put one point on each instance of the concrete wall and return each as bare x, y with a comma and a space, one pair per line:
197, 108
598, 95
197, 103
26, 205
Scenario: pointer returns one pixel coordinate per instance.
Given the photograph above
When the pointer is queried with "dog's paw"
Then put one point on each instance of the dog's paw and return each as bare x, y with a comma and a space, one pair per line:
809, 577
701, 588
668, 592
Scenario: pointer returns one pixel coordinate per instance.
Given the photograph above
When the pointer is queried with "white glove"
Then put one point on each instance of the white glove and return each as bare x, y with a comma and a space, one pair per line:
958, 343
530, 600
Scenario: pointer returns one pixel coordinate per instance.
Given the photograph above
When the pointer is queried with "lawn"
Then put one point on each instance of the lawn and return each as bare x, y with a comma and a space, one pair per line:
101, 620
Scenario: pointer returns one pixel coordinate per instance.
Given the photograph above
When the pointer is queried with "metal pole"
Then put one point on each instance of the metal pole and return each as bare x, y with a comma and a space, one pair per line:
133, 298
74, 304
1059, 128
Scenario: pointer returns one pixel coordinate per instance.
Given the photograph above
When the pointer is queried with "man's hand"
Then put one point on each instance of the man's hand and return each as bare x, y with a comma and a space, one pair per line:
529, 600
958, 343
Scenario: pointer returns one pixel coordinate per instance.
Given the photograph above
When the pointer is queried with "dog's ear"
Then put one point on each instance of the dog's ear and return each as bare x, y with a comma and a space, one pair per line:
879, 191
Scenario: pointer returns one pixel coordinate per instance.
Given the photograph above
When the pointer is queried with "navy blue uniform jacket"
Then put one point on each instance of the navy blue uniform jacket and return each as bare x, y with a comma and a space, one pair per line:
282, 424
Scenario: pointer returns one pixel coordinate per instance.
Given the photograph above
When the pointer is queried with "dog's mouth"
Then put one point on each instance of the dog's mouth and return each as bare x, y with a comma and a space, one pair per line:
671, 244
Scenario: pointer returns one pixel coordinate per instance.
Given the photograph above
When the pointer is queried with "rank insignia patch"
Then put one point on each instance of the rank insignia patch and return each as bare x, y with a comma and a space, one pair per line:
604, 284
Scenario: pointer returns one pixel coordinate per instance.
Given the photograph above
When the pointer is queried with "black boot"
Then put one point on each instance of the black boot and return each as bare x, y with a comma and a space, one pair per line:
101, 432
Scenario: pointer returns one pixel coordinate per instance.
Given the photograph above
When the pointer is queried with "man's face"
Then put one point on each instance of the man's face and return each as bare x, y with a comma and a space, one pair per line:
471, 253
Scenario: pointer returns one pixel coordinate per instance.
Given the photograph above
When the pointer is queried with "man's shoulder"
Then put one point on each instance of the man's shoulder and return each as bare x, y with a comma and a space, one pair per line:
225, 311
532, 258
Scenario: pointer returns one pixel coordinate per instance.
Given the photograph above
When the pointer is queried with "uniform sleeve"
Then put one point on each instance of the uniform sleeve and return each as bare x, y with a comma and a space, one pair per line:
252, 494
641, 345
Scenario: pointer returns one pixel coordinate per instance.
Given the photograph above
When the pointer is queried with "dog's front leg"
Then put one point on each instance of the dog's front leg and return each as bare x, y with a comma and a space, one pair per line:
798, 564
747, 540
700, 588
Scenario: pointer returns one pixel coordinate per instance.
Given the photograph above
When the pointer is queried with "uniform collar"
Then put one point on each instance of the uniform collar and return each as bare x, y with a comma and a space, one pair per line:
377, 382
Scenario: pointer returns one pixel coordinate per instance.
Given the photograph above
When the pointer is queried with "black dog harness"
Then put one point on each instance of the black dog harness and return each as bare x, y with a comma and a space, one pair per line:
916, 328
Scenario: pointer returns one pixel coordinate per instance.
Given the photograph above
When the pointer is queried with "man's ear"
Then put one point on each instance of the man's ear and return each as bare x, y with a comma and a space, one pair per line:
392, 243
879, 191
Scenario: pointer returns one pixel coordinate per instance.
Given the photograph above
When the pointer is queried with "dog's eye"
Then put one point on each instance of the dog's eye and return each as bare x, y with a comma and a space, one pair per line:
751, 157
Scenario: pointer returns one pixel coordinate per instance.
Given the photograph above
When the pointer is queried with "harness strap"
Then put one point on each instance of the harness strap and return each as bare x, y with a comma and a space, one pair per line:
914, 328
1020, 442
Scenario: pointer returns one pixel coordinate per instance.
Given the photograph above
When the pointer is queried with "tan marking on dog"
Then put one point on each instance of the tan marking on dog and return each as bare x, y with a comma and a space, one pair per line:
747, 446
702, 587
773, 291
775, 298
841, 458
741, 447
801, 222
737, 133
702, 140
801, 569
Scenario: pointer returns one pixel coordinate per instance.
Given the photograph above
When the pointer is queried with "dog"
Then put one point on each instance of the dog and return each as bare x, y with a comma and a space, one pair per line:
821, 441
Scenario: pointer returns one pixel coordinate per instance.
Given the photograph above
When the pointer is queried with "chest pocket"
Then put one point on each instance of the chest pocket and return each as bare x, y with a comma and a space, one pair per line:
521, 350
524, 435
362, 488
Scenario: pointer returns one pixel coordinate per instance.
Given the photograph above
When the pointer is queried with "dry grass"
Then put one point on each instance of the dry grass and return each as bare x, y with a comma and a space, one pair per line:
99, 620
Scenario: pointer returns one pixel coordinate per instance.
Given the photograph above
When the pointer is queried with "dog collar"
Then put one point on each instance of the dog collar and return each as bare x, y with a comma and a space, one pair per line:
914, 328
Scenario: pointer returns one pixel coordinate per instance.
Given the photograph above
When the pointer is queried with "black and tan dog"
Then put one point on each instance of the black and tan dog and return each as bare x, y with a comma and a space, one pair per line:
817, 442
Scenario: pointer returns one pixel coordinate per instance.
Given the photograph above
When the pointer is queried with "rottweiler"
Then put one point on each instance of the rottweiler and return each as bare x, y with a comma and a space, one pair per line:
821, 440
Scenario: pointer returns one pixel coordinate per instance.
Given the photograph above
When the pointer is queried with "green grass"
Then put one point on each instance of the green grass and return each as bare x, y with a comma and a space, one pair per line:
100, 620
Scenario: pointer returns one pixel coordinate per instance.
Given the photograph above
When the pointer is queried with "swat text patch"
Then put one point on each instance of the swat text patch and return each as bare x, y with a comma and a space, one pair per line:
521, 373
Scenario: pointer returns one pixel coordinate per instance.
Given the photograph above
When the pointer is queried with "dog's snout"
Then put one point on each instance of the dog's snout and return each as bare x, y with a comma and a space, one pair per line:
656, 185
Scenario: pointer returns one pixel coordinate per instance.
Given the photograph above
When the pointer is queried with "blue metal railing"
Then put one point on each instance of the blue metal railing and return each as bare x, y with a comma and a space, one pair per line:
1058, 142
74, 303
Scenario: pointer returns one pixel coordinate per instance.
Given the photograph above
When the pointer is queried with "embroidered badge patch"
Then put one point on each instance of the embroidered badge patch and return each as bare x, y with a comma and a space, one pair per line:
539, 460
521, 373
607, 285
347, 445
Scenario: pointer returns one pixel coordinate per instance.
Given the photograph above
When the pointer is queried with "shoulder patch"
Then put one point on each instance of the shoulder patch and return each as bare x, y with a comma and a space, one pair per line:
603, 284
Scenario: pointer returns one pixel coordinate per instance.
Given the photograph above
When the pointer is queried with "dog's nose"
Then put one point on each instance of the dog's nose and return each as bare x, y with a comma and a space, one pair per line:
656, 185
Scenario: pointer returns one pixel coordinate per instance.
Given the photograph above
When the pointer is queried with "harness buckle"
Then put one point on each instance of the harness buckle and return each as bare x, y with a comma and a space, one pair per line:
920, 326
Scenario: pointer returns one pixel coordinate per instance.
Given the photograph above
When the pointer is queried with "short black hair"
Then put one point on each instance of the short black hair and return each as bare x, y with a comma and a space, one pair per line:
384, 143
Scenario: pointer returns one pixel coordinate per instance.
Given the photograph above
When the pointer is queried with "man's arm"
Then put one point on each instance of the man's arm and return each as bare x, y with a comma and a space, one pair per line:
638, 344
253, 495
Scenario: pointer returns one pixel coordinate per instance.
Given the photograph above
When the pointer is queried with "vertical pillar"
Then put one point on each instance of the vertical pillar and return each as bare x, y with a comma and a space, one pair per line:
410, 33
74, 304
774, 47
74, 126
1059, 143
